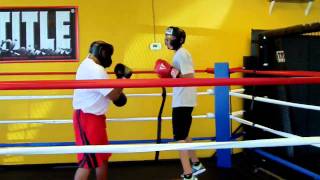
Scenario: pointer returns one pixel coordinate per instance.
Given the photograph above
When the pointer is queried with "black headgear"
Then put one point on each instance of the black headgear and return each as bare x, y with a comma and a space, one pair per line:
178, 36
103, 52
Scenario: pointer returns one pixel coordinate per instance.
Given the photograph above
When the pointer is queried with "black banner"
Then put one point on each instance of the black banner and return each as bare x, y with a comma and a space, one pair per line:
38, 33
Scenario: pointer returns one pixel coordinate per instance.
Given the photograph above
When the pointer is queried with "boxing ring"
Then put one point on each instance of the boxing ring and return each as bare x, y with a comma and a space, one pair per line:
222, 115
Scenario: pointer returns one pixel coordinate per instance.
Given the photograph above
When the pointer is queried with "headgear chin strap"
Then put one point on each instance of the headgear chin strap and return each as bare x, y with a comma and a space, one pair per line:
176, 35
103, 52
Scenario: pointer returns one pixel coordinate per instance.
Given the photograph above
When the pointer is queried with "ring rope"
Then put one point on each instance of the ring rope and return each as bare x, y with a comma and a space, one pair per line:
207, 70
161, 147
208, 92
71, 96
264, 128
35, 97
68, 121
148, 83
137, 119
274, 101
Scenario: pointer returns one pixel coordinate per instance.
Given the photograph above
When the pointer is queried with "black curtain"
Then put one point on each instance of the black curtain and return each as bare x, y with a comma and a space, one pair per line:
301, 52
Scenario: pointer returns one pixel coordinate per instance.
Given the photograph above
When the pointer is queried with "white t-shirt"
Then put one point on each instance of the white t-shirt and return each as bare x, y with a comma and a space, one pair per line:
183, 96
92, 101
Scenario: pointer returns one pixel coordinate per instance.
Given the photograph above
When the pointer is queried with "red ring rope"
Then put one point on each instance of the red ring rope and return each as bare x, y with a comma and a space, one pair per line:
148, 83
208, 70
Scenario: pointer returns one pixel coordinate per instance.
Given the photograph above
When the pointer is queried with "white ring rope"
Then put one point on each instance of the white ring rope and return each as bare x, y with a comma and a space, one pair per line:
35, 97
273, 101
68, 121
211, 91
280, 133
70, 96
208, 92
160, 147
155, 118
236, 113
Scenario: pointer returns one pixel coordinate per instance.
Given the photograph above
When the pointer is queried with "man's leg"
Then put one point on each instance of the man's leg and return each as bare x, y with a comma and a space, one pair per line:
192, 153
78, 118
101, 172
197, 167
184, 158
181, 126
82, 174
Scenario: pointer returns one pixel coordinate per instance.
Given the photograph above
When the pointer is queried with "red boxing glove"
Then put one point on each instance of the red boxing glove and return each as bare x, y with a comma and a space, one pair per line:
165, 70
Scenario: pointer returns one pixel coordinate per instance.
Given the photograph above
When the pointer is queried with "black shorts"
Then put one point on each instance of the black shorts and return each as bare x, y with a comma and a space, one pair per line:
181, 122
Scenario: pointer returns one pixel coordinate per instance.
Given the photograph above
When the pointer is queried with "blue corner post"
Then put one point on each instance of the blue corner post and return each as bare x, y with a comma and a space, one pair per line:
222, 115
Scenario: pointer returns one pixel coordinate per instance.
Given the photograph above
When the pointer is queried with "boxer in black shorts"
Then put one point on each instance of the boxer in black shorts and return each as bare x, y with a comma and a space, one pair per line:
183, 99
181, 122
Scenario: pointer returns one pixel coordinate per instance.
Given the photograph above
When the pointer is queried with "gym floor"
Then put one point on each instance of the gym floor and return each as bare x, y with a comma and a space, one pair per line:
244, 167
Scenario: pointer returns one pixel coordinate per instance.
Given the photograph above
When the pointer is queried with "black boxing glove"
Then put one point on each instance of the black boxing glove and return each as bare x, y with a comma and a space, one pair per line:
122, 71
121, 101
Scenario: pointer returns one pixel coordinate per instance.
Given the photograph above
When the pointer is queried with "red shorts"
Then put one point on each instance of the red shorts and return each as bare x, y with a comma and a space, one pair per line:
90, 129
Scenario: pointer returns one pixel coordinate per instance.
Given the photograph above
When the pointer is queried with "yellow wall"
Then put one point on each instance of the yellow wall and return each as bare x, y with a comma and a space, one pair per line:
217, 31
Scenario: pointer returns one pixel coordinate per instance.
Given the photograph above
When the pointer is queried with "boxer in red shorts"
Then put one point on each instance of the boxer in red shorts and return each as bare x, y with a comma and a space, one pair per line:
90, 130
90, 107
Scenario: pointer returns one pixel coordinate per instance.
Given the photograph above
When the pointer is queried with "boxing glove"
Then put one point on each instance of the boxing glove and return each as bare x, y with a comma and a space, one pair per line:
121, 101
165, 70
122, 71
